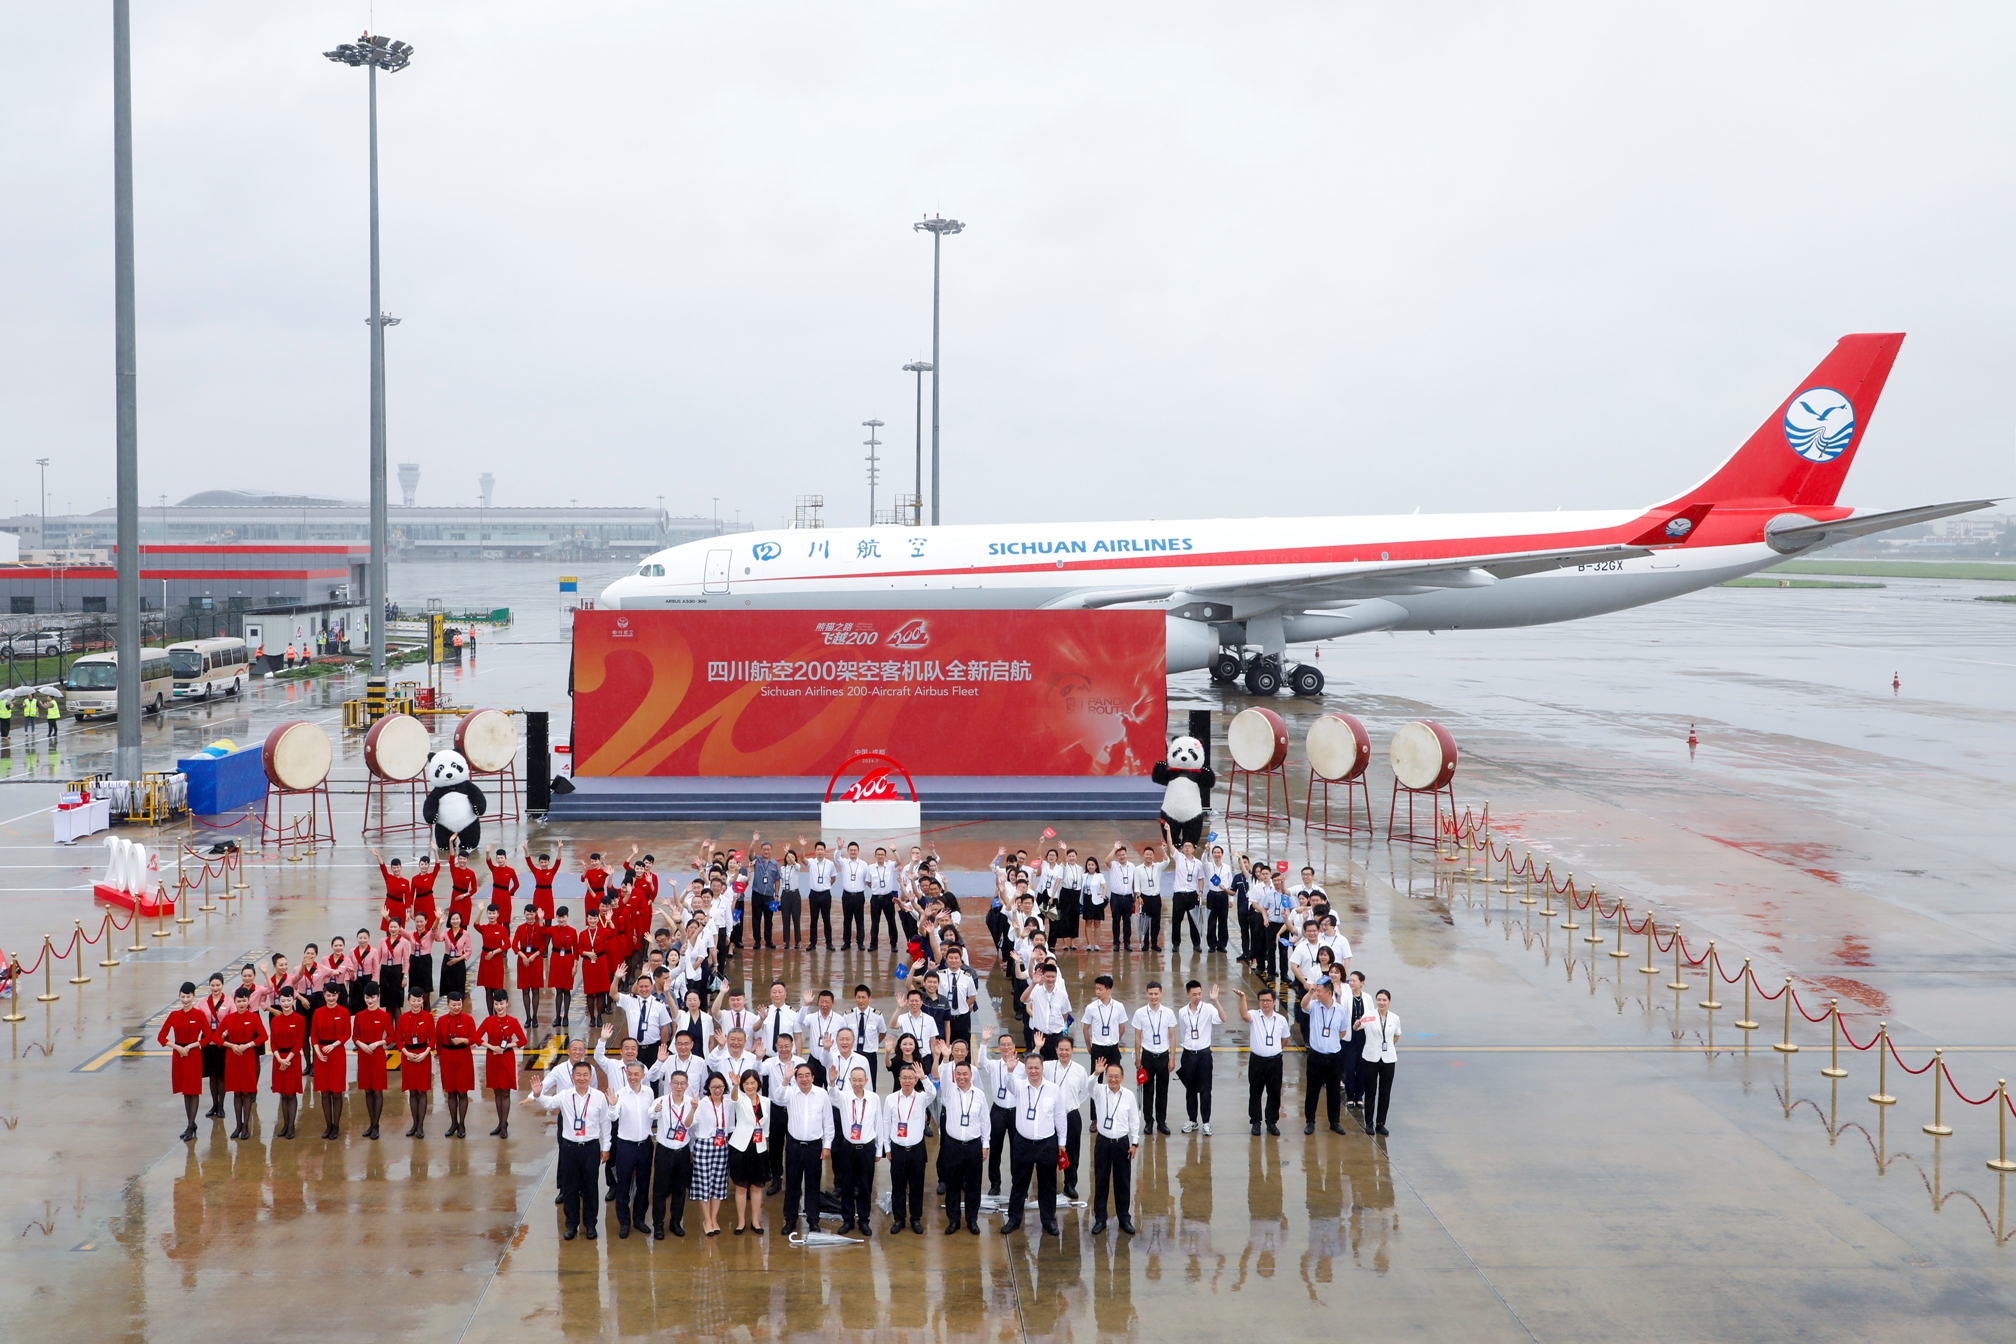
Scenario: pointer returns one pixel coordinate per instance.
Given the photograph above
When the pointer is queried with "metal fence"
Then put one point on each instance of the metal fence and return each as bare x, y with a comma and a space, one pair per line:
24, 639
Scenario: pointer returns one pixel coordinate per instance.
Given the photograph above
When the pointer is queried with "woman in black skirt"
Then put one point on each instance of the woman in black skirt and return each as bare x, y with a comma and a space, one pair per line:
749, 1151
1071, 881
455, 960
420, 961
213, 1009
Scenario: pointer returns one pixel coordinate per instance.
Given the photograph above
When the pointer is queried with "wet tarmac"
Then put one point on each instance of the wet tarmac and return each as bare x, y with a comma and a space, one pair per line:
1577, 1152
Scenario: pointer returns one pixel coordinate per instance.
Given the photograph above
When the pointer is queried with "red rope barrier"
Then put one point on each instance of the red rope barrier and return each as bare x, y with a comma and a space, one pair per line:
1956, 1087
1768, 998
1906, 1067
1727, 978
1851, 1040
1803, 1013
88, 939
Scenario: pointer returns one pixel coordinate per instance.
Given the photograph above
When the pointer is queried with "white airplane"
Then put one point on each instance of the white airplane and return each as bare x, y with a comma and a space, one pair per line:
1239, 591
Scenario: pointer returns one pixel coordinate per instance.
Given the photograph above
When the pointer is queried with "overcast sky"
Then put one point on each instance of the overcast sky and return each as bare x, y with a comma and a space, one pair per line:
1220, 259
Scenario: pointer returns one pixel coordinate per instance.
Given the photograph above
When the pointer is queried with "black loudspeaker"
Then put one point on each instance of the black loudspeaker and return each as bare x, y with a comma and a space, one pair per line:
1200, 728
538, 764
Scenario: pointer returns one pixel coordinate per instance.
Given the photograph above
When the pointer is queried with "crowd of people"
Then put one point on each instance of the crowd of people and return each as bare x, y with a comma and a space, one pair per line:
707, 1097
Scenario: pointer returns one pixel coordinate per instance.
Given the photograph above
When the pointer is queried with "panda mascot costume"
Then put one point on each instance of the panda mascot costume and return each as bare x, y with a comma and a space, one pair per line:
1186, 790
454, 805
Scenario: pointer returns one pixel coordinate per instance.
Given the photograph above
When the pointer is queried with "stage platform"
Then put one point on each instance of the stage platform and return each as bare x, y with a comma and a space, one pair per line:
944, 798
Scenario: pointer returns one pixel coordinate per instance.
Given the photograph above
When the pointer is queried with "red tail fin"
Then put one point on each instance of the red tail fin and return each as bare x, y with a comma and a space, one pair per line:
1801, 455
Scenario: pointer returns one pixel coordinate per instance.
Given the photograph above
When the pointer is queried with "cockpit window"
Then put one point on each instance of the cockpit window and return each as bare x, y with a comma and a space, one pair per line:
650, 571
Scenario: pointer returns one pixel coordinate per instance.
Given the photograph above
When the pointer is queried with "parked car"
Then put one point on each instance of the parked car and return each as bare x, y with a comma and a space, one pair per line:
38, 644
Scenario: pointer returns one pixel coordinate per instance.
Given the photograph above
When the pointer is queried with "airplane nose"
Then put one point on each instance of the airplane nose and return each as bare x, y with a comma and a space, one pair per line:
612, 596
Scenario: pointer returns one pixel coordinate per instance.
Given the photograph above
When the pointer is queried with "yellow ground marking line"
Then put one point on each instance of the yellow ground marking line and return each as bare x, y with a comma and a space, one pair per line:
123, 1050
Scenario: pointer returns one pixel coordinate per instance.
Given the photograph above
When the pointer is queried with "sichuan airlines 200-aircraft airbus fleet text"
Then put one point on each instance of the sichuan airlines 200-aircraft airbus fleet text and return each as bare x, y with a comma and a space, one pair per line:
1238, 591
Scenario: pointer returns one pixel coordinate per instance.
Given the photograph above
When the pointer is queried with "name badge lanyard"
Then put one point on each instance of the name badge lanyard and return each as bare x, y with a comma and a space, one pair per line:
903, 1119
855, 1132
966, 1111
1035, 1101
720, 1130
581, 1116
1269, 1029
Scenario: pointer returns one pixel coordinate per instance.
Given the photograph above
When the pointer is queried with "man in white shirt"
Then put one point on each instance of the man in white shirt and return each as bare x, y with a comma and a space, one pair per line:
1075, 1082
857, 1146
914, 1021
1120, 895
1330, 936
967, 1125
853, 899
1326, 1029
962, 991
557, 1080
780, 1074
779, 1019
1001, 1071
1040, 1120
1105, 1024
883, 878
1116, 1137
842, 1062
820, 874
1154, 1037
584, 1132
1187, 872
1194, 1021
1308, 887
869, 1028
808, 1138
1049, 1011
1148, 886
817, 1032
738, 1016
903, 1116
630, 1151
672, 1169
1266, 1034
734, 1061
647, 1017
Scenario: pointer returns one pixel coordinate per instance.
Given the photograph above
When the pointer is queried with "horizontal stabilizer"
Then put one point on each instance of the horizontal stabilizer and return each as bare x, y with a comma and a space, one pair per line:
1792, 533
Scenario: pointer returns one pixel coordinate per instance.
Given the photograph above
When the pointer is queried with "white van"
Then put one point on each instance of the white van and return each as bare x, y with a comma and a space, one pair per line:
92, 687
207, 667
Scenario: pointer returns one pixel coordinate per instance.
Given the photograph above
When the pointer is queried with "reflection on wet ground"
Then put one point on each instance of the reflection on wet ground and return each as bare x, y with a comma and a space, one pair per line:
1577, 1151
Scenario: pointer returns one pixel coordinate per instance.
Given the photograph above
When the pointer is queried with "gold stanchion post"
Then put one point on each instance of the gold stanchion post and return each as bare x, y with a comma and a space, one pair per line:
160, 910
1748, 1023
139, 944
1618, 915
1679, 980
1938, 1129
2001, 1162
1547, 892
49, 994
182, 915
1651, 947
1786, 1045
1595, 934
1881, 1096
241, 884
1528, 898
1708, 964
208, 907
80, 978
1834, 1069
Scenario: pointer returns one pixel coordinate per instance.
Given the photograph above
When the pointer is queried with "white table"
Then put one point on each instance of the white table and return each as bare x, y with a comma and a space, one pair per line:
89, 819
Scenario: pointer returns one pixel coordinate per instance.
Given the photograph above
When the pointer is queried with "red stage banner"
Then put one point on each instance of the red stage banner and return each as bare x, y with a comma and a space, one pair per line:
798, 692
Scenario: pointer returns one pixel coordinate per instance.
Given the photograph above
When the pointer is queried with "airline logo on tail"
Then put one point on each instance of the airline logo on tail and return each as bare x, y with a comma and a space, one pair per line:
1819, 424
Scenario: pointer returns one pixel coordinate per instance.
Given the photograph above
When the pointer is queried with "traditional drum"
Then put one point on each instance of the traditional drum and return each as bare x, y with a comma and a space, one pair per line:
1339, 748
488, 740
1423, 756
396, 748
1258, 739
296, 755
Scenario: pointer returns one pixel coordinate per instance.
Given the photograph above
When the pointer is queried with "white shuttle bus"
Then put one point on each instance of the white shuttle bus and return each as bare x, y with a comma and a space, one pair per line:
92, 688
208, 667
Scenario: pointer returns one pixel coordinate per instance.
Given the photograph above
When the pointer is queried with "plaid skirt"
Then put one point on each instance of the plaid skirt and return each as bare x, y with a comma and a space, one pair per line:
710, 1171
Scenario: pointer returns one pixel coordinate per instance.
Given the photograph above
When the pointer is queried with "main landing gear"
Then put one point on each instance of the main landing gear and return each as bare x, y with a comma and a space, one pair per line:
1263, 674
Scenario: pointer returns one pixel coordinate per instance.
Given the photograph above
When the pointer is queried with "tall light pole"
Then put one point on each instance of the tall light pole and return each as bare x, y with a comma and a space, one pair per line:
375, 54
920, 367
126, 761
937, 226
874, 469
42, 538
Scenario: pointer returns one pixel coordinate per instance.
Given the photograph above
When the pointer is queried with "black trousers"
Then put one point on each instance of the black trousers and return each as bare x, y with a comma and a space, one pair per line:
790, 905
879, 909
959, 1167
671, 1178
1263, 1089
1155, 1092
632, 1160
822, 913
1355, 1068
1123, 924
1324, 1072
762, 922
1378, 1077
1000, 1124
1250, 925
1272, 956
1217, 933
1111, 1168
906, 1182
854, 1178
736, 906
960, 1028
1151, 923
1074, 1130
578, 1195
1195, 1071
1037, 1157
801, 1180
853, 918
1102, 1055
1184, 912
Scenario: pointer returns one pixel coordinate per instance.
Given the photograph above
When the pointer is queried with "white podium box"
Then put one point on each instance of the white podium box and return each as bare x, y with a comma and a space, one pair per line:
88, 819
881, 821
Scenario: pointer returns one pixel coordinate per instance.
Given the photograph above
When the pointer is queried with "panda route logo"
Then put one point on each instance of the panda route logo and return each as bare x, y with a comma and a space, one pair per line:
1679, 527
1820, 424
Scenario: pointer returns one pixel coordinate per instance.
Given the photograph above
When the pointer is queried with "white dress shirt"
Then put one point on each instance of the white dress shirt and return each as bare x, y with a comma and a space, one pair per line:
732, 1067
674, 1121
1105, 1022
960, 990
869, 1028
1154, 1029
1186, 873
882, 879
1120, 879
694, 1067
633, 1112
965, 1115
1194, 1024
921, 1025
778, 1020
1095, 889
860, 1118
840, 1067
779, 1076
853, 875
749, 1022
820, 874
610, 1065
1048, 1009
1040, 1112
582, 1119
808, 1114
1265, 1033
1339, 945
1115, 1114
1381, 1035
1074, 1082
713, 1122
903, 1118
559, 1078
1001, 1080
1329, 1026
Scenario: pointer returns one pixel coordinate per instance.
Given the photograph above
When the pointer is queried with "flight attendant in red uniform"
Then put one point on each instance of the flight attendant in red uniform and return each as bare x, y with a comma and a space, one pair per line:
543, 873
462, 887
186, 1032
371, 1033
416, 1062
243, 1034
454, 1033
501, 1038
213, 1009
503, 883
330, 1032
422, 883
287, 1034
562, 950
491, 964
595, 876
398, 890
528, 940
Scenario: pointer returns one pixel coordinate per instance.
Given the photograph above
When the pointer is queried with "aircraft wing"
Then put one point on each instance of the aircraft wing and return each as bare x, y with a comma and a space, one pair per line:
1314, 585
1792, 533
